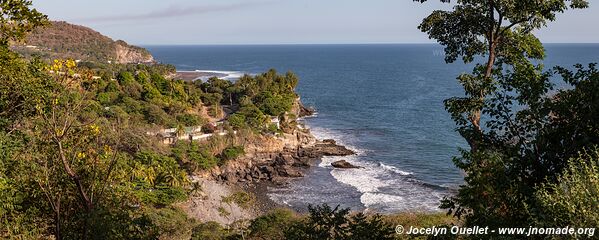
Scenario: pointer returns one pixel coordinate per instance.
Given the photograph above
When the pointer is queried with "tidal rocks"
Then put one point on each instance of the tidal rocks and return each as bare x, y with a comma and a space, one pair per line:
343, 164
329, 147
279, 167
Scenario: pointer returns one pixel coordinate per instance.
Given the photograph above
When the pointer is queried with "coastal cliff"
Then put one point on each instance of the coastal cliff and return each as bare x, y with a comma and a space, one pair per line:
64, 40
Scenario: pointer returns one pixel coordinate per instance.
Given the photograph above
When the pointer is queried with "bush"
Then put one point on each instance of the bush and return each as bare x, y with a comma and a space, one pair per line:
237, 121
190, 120
272, 225
208, 128
327, 223
156, 115
209, 231
161, 195
572, 201
193, 156
108, 98
242, 199
231, 153
165, 223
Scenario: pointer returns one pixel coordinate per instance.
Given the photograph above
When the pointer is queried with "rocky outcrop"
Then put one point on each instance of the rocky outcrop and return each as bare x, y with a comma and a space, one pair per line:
329, 147
130, 54
343, 164
279, 167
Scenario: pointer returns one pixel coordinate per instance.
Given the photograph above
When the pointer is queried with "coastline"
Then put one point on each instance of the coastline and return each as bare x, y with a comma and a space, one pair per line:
270, 161
204, 74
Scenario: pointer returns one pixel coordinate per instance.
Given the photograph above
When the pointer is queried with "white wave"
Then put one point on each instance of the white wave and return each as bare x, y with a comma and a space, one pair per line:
229, 75
370, 199
380, 189
375, 181
395, 170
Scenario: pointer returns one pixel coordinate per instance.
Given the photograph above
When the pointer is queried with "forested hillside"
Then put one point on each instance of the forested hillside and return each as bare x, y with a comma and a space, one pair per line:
64, 40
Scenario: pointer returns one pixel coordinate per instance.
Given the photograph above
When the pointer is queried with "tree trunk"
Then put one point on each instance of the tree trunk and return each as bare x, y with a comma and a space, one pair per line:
57, 231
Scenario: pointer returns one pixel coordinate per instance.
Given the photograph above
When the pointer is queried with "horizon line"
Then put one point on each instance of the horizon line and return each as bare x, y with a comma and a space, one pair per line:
308, 44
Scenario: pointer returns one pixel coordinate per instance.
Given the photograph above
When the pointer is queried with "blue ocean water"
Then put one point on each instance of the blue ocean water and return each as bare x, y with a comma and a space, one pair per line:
384, 101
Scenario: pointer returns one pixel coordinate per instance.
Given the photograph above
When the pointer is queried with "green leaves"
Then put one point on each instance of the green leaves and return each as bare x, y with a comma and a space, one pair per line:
17, 18
572, 201
518, 135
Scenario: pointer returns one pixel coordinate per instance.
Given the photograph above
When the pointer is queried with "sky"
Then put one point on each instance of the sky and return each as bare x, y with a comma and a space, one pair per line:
184, 22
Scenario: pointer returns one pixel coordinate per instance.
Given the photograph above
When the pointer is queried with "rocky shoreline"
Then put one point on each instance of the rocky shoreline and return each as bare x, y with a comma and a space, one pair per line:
272, 161
285, 165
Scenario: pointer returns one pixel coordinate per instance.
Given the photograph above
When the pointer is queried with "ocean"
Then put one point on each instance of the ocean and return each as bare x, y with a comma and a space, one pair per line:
383, 101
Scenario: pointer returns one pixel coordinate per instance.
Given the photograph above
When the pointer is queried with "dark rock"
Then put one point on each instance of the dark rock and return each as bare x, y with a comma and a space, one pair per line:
328, 149
230, 177
343, 164
305, 111
288, 171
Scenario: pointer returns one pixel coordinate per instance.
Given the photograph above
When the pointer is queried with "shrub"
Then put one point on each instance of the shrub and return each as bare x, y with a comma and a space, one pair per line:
190, 120
272, 225
156, 115
108, 98
208, 128
326, 223
242, 199
165, 223
209, 231
572, 201
193, 156
231, 153
161, 195
237, 121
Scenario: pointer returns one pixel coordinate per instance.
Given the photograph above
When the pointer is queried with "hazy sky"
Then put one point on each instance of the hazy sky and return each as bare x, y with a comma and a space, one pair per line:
278, 21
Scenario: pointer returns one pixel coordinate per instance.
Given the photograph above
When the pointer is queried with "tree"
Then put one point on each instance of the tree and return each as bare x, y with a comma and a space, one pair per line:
499, 30
76, 162
507, 158
327, 223
17, 18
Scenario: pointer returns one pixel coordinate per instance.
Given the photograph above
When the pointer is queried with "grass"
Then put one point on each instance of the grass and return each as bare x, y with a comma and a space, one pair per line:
242, 199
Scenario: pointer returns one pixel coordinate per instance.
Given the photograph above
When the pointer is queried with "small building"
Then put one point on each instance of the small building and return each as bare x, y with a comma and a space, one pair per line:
275, 121
172, 135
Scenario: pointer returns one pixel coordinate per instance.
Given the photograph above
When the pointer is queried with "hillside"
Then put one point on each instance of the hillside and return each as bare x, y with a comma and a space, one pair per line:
65, 40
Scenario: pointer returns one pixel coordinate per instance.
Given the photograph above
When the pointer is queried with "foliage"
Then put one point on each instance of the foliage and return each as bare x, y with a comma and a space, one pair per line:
572, 200
272, 225
190, 120
209, 231
327, 223
22, 84
242, 199
232, 152
166, 223
256, 97
17, 18
193, 156
519, 135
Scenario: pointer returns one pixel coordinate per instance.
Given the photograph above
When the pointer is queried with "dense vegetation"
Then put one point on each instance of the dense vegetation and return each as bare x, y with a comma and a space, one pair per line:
77, 159
532, 149
322, 222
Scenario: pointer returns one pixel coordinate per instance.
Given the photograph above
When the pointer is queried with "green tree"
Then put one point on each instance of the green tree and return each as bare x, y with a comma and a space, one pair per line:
17, 18
76, 161
507, 157
501, 31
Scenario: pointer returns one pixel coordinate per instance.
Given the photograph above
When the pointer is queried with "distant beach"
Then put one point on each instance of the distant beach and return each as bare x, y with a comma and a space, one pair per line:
204, 75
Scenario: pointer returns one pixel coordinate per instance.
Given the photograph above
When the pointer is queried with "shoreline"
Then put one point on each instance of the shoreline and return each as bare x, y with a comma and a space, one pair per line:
205, 74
